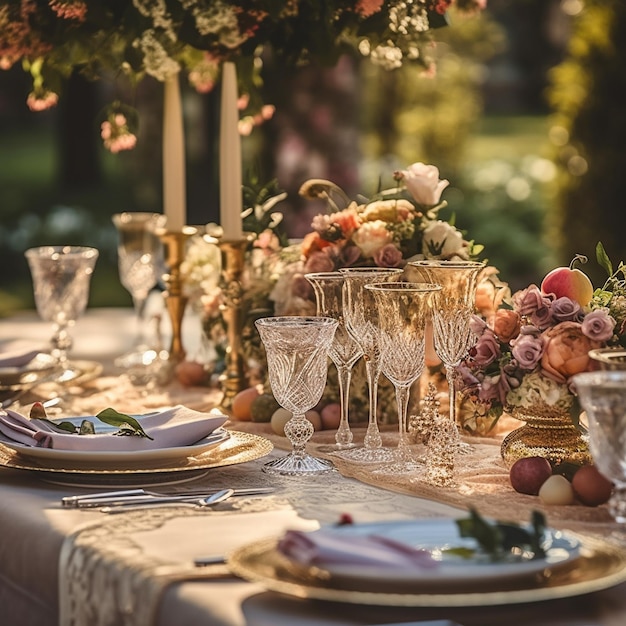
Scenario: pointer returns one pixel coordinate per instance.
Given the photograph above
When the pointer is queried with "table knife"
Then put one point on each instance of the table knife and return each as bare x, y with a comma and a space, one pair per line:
147, 497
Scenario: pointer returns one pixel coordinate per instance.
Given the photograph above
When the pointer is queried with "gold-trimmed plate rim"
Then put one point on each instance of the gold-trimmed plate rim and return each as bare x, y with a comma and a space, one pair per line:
240, 447
255, 562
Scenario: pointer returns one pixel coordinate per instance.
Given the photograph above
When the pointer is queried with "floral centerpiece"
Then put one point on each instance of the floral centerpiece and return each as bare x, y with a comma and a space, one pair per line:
398, 224
132, 39
529, 348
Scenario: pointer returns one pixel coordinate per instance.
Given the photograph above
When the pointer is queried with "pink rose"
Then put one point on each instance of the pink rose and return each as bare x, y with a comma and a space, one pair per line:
389, 256
566, 352
529, 300
598, 325
422, 182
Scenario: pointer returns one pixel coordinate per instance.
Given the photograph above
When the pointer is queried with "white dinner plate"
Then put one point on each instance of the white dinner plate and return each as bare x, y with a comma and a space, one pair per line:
36, 369
438, 536
100, 457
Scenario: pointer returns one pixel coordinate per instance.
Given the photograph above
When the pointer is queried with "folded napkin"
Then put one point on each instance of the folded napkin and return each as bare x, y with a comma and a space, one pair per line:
170, 428
331, 547
18, 352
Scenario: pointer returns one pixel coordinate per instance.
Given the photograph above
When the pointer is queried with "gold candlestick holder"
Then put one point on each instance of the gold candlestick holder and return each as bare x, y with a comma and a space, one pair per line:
175, 300
233, 261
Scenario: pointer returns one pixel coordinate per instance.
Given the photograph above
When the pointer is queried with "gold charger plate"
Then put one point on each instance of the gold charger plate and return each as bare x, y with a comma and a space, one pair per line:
240, 447
601, 565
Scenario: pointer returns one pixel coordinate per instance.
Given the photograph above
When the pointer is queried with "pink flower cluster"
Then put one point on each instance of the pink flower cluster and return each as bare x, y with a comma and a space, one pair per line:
116, 134
541, 335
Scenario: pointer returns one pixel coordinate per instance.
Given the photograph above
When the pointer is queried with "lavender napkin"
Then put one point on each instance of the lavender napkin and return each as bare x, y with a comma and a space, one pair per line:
330, 547
18, 352
170, 428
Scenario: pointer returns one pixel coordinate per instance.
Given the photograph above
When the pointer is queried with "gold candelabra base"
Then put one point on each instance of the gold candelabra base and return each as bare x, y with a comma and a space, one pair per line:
175, 300
233, 261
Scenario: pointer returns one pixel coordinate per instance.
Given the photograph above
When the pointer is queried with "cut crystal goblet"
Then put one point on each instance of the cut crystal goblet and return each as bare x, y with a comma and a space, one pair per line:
297, 362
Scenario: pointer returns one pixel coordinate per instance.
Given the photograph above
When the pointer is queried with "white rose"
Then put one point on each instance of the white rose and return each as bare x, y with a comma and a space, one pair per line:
442, 240
422, 182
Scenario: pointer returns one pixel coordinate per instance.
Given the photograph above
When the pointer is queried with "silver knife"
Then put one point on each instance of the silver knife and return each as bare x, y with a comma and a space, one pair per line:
94, 502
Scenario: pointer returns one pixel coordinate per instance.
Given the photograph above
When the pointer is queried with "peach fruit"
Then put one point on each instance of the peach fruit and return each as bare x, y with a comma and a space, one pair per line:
590, 486
570, 282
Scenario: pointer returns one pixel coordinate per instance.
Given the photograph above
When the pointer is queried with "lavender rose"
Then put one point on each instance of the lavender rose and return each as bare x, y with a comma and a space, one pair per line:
565, 310
527, 349
528, 301
388, 256
486, 350
598, 325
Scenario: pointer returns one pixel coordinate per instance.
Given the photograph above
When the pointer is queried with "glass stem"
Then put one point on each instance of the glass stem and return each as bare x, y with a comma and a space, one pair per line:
372, 439
344, 436
299, 430
61, 343
451, 379
402, 400
139, 304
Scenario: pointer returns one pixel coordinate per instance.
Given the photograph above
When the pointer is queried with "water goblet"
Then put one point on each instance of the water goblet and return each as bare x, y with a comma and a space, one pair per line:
360, 316
61, 279
403, 309
140, 265
297, 363
344, 350
602, 395
452, 312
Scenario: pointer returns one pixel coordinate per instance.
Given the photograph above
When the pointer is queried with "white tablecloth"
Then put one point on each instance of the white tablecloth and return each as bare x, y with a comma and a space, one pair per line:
37, 537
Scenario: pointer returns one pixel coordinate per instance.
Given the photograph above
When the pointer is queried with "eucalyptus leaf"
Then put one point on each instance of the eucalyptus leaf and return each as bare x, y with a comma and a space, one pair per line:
603, 258
126, 423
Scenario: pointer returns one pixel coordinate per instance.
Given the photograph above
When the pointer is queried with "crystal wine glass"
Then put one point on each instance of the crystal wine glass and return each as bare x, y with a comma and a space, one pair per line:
602, 395
402, 312
140, 264
344, 350
61, 279
297, 362
452, 312
360, 315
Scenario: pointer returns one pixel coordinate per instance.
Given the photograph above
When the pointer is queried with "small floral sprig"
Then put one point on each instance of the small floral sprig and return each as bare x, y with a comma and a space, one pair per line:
528, 350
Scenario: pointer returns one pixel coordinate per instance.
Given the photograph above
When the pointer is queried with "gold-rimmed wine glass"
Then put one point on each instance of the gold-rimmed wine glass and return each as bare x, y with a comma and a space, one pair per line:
360, 316
344, 350
453, 308
403, 309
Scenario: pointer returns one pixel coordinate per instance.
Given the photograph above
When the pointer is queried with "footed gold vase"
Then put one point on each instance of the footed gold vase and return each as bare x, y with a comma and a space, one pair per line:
548, 432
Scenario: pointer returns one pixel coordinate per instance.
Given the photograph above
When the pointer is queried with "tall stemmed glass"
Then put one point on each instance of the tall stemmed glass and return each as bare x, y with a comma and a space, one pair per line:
297, 362
361, 321
140, 264
403, 309
61, 279
602, 395
344, 350
452, 312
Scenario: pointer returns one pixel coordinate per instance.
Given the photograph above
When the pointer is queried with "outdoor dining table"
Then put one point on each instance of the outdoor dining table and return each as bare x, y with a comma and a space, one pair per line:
64, 565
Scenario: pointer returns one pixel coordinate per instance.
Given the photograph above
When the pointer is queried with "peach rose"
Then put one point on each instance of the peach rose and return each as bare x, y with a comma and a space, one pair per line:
506, 325
566, 351
371, 237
